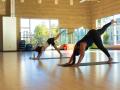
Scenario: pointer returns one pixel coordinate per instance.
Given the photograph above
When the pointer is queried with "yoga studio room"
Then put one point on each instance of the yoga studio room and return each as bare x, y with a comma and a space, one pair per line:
59, 44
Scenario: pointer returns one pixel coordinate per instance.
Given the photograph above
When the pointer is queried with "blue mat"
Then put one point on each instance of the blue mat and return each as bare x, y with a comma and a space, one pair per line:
31, 58
88, 64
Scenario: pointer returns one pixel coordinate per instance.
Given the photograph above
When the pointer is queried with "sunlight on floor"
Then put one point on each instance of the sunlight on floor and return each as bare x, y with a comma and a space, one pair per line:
18, 72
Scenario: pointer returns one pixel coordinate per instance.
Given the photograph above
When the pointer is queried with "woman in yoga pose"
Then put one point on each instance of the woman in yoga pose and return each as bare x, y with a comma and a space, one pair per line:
93, 36
50, 41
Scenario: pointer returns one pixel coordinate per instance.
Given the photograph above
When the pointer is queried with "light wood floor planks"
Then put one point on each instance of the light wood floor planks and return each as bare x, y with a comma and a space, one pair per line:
18, 72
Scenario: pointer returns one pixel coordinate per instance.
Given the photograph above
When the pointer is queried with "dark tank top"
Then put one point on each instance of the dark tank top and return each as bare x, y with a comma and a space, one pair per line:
51, 41
88, 39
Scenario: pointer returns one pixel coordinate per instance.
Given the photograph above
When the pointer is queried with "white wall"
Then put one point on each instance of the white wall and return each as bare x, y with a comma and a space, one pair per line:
9, 34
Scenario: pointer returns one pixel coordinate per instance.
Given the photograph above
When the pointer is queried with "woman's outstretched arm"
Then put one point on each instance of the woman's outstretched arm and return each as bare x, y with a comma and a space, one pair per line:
58, 35
83, 46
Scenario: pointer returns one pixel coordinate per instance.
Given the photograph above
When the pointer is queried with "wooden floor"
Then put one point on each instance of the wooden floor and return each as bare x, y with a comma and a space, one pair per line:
18, 72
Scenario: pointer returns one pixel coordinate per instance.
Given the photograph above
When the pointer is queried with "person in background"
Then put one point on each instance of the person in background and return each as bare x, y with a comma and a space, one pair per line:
50, 41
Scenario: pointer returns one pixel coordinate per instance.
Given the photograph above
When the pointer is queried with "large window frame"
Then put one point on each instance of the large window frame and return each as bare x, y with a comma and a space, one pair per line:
113, 31
27, 27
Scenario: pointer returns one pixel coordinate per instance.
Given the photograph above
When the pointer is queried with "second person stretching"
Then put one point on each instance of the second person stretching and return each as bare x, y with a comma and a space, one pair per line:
50, 41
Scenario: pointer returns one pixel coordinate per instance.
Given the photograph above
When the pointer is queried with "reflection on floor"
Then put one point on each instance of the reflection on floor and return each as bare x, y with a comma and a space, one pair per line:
18, 72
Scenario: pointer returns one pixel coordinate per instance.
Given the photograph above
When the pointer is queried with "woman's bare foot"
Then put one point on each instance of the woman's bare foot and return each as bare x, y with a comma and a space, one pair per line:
60, 55
68, 64
110, 60
76, 65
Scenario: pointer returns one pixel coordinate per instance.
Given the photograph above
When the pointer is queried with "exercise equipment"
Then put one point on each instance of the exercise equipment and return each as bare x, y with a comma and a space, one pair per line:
48, 58
88, 64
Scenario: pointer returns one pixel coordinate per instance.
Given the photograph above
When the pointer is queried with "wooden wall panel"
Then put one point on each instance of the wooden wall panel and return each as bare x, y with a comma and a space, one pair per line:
4, 11
2, 8
69, 16
103, 9
1, 34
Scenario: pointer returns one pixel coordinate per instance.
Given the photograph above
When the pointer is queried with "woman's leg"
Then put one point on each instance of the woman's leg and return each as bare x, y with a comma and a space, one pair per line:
46, 45
104, 28
58, 50
97, 40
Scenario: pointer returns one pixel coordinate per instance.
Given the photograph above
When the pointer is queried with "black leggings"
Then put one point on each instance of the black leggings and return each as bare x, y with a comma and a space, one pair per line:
97, 40
96, 36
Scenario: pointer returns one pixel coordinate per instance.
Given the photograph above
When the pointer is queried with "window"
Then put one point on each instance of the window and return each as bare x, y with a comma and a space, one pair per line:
79, 33
37, 31
33, 30
113, 31
64, 36
25, 30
